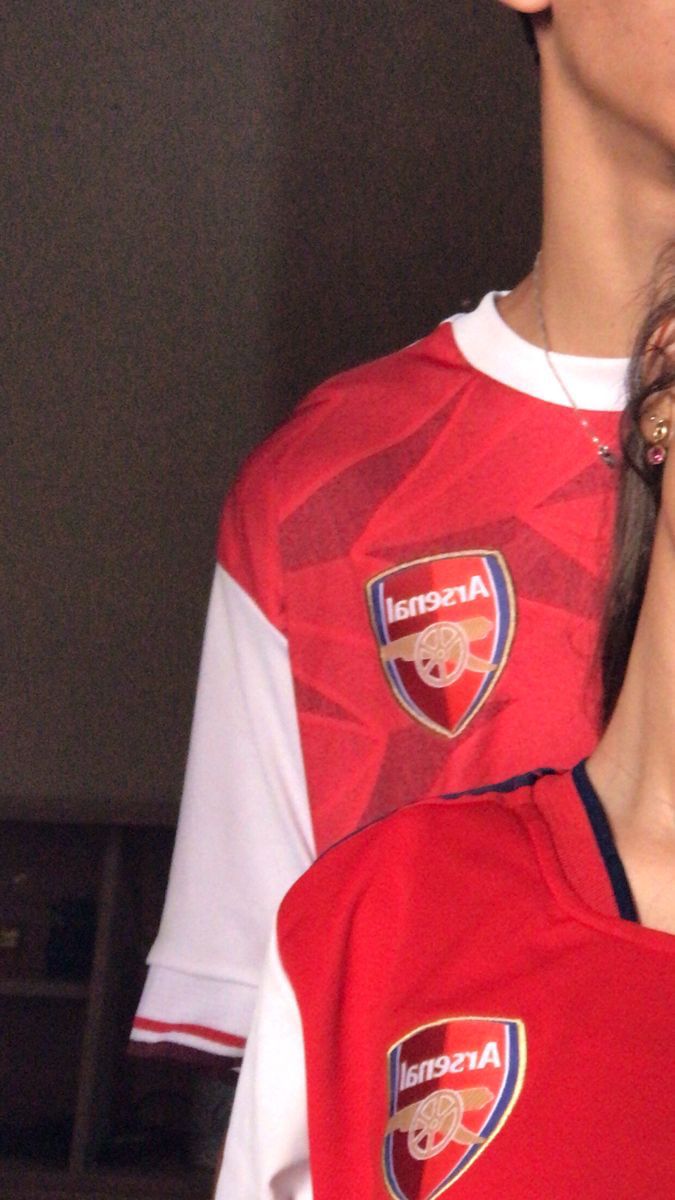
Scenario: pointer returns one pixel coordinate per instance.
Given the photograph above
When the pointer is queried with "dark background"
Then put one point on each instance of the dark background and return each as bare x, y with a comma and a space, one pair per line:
209, 206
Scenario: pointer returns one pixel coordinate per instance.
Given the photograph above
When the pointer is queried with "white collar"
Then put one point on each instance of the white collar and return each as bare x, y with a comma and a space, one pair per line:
492, 347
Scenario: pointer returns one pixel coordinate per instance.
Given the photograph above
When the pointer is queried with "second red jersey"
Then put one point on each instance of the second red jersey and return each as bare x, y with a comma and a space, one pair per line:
477, 1021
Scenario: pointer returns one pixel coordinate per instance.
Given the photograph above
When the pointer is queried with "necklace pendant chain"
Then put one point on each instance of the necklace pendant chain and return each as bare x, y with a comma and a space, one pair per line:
602, 449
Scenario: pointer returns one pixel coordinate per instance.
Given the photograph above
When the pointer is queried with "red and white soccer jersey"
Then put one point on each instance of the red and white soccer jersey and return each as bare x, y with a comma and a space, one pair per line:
453, 1002
405, 601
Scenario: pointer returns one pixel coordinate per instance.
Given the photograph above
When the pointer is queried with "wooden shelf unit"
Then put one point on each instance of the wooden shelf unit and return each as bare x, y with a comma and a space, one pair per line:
18, 1182
43, 989
113, 829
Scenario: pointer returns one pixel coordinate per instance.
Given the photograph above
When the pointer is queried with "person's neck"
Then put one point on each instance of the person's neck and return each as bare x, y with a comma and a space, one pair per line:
608, 212
633, 766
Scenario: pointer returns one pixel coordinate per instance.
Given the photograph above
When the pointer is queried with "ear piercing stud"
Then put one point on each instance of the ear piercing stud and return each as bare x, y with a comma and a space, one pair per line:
657, 453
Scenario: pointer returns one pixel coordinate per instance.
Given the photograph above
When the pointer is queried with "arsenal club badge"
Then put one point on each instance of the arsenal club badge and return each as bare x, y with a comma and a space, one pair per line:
444, 626
452, 1085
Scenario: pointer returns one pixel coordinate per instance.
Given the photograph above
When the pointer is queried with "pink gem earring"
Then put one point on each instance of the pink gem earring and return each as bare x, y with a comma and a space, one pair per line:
657, 453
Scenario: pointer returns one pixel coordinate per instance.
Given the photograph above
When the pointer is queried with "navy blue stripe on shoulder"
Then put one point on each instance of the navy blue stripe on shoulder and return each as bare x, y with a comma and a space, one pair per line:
604, 837
507, 785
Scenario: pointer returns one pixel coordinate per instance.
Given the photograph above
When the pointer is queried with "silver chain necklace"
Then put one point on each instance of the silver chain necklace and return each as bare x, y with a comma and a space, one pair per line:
601, 448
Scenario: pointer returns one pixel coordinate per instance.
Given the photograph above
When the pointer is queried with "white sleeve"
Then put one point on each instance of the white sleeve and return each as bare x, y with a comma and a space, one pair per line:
266, 1153
244, 833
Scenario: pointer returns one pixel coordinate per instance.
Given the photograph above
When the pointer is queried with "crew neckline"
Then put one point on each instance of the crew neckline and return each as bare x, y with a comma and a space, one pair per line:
492, 347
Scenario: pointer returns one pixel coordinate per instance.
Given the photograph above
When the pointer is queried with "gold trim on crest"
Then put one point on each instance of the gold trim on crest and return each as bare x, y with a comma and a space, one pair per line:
498, 669
517, 1088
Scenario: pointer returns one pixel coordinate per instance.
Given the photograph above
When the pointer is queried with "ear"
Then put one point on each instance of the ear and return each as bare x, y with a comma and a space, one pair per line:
658, 361
527, 6
662, 341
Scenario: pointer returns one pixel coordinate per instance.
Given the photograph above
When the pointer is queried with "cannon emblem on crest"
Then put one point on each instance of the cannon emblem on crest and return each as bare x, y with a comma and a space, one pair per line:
432, 1123
442, 652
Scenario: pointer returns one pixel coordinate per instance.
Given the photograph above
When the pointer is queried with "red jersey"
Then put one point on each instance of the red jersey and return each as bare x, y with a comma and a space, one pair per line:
436, 574
458, 1007
406, 600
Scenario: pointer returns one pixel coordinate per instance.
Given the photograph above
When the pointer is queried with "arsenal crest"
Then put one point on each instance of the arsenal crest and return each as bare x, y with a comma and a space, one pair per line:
444, 626
452, 1086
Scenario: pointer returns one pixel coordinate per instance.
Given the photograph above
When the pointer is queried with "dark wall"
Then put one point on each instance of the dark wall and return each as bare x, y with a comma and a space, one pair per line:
209, 207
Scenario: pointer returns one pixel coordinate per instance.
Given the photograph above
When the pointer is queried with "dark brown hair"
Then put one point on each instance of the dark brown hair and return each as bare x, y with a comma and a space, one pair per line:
530, 22
651, 371
526, 21
528, 27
